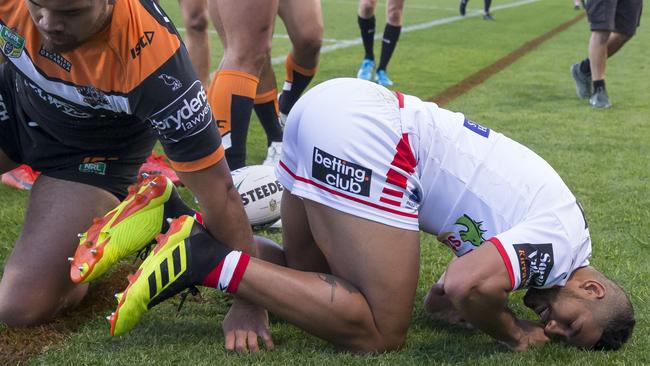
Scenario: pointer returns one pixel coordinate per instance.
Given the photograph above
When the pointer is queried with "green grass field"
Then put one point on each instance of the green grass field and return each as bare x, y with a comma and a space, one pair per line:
602, 156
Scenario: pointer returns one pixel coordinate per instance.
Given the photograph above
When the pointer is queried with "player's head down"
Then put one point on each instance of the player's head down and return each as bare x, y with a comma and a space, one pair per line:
591, 311
66, 24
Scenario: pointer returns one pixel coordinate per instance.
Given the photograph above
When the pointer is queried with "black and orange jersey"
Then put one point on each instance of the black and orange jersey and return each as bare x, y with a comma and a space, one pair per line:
132, 77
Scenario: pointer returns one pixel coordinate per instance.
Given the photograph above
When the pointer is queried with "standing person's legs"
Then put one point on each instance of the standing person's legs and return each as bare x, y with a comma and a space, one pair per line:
248, 28
367, 25
267, 110
36, 284
304, 22
197, 41
598, 54
394, 11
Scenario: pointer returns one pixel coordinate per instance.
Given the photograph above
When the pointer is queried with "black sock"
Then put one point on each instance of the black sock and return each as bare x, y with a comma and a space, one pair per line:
367, 27
599, 84
268, 116
241, 111
487, 4
585, 68
388, 44
296, 82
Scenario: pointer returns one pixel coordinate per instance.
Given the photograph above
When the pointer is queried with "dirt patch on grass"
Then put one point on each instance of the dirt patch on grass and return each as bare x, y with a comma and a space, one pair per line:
480, 76
18, 345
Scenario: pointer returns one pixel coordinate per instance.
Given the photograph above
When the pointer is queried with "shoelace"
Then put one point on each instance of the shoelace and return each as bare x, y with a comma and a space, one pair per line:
190, 290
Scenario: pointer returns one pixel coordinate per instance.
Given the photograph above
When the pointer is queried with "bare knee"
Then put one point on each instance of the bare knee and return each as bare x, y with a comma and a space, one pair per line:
367, 8
22, 305
197, 21
306, 47
394, 17
248, 56
364, 336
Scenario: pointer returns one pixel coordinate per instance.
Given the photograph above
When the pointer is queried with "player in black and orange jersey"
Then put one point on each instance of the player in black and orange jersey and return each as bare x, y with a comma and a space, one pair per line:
86, 89
245, 77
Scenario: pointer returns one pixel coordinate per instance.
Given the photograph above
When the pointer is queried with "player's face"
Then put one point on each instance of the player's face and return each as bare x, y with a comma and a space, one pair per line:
66, 24
565, 315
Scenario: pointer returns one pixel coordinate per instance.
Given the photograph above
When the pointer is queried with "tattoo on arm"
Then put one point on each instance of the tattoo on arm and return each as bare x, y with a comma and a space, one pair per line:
333, 282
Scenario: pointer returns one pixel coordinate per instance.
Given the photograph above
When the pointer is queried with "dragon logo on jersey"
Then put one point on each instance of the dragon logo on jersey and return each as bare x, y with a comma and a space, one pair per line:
535, 263
474, 232
93, 96
12, 43
171, 81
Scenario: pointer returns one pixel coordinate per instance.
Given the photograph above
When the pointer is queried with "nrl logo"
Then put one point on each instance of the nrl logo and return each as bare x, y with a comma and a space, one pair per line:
171, 81
12, 43
92, 96
474, 232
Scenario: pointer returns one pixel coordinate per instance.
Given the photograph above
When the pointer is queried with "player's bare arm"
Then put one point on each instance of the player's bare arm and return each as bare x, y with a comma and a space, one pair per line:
478, 285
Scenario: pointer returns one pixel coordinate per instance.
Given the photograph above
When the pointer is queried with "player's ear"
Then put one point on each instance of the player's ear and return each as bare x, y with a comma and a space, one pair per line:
593, 288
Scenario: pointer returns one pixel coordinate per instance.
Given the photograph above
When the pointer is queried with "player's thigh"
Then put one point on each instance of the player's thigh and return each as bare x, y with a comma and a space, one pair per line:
300, 249
57, 211
246, 23
303, 20
6, 164
381, 261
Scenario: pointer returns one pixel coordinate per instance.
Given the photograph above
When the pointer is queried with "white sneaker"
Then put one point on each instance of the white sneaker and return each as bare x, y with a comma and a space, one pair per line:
273, 154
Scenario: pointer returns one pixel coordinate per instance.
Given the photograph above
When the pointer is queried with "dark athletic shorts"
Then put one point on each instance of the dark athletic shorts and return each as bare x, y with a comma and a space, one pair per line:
620, 16
25, 142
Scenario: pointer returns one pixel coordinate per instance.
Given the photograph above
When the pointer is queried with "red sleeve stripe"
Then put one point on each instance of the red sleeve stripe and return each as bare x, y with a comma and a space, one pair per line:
504, 255
343, 195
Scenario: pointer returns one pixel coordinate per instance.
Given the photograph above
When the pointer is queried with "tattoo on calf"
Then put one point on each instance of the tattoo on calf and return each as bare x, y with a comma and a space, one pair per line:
333, 282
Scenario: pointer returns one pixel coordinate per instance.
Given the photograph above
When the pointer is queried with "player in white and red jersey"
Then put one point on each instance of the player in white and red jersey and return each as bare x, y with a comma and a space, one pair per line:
364, 170
85, 89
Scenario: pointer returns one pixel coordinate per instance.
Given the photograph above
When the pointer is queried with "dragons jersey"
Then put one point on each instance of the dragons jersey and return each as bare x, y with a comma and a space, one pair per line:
357, 147
133, 77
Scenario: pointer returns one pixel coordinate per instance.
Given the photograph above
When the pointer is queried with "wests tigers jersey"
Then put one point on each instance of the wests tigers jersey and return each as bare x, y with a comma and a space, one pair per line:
133, 77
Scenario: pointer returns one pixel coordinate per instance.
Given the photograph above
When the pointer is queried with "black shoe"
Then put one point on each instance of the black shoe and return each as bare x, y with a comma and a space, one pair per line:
600, 99
463, 6
488, 17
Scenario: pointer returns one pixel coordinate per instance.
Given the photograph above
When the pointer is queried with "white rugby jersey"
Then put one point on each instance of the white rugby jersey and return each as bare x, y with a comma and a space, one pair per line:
479, 185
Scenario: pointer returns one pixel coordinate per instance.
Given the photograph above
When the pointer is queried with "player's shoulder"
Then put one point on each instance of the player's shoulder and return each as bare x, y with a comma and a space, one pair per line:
144, 38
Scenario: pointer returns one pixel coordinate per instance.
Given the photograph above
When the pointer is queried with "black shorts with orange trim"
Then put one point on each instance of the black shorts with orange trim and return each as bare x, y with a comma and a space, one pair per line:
25, 142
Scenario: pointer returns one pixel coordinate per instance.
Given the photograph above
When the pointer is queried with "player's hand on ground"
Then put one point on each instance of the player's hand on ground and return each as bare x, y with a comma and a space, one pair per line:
439, 308
532, 336
242, 326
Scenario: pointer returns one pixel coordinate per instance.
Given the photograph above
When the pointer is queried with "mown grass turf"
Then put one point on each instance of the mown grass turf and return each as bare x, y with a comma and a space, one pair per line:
602, 155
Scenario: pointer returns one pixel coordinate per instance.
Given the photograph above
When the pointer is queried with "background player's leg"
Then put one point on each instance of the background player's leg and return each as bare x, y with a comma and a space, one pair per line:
304, 22
197, 41
392, 31
267, 110
367, 23
365, 305
248, 28
36, 284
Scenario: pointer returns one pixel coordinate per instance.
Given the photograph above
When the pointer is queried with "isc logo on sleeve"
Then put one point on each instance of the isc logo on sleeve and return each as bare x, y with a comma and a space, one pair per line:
340, 173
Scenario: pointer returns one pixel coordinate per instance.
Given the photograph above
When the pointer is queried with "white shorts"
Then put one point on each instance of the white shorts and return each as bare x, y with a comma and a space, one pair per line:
346, 148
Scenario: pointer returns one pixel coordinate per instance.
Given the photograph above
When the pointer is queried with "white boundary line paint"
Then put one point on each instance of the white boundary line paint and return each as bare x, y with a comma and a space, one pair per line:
345, 43
338, 44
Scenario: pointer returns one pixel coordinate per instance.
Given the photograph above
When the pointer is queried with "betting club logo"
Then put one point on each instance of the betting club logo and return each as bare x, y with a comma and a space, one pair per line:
11, 43
535, 263
340, 173
171, 81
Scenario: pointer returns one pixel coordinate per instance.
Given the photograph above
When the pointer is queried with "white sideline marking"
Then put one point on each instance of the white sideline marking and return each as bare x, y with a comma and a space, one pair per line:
345, 43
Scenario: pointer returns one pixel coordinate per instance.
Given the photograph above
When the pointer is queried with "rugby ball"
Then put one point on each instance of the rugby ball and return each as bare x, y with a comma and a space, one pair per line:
260, 192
